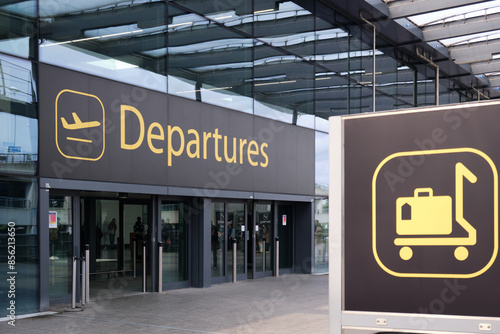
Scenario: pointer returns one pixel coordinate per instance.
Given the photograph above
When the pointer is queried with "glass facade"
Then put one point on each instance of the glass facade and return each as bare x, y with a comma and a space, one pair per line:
19, 254
18, 28
18, 116
298, 62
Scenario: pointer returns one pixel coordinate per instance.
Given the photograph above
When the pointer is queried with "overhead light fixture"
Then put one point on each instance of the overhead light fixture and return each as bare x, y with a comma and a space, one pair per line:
223, 17
179, 24
264, 11
123, 195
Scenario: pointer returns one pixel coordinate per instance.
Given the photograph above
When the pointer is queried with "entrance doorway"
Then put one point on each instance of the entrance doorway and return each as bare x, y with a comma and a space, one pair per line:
61, 248
229, 226
285, 235
111, 227
262, 240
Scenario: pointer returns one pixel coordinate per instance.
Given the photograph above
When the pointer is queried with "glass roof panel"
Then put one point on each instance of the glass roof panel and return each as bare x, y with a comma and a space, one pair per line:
458, 13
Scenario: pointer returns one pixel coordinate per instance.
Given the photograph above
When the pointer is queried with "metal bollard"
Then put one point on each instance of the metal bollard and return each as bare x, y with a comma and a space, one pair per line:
73, 288
134, 255
160, 267
264, 255
84, 284
234, 260
277, 268
87, 273
144, 266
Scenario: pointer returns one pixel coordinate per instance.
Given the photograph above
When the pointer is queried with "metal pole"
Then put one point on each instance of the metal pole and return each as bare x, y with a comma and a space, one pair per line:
84, 283
144, 266
53, 264
277, 262
264, 255
433, 64
437, 85
87, 273
234, 260
134, 255
160, 267
73, 289
373, 58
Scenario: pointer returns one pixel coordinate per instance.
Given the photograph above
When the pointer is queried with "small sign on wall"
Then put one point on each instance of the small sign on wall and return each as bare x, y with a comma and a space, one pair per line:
52, 219
283, 220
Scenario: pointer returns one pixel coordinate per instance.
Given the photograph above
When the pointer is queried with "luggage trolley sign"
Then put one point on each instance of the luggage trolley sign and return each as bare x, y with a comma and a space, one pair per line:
421, 211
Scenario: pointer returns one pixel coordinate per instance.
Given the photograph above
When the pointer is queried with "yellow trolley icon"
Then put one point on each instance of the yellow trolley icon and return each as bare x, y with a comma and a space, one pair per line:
428, 218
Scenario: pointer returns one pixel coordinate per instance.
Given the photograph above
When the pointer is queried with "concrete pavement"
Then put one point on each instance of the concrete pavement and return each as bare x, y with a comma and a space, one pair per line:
287, 304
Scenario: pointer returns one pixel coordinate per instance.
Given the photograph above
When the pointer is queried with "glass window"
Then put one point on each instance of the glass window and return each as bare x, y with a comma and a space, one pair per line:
60, 246
18, 227
218, 240
264, 231
107, 228
237, 14
283, 72
283, 86
236, 233
321, 165
18, 117
208, 62
332, 84
108, 39
321, 204
321, 236
18, 28
175, 241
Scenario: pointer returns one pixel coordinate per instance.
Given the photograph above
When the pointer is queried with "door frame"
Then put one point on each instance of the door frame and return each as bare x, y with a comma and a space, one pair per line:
228, 276
188, 217
76, 247
264, 273
290, 221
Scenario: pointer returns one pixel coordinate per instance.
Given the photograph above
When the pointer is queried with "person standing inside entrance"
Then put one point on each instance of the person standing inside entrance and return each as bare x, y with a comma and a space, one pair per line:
215, 244
111, 231
138, 227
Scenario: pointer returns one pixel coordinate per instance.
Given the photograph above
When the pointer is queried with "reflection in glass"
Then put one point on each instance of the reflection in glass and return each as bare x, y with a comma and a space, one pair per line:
174, 239
60, 246
107, 39
18, 217
18, 123
18, 26
218, 242
263, 237
208, 62
321, 204
236, 233
106, 229
135, 226
321, 236
283, 87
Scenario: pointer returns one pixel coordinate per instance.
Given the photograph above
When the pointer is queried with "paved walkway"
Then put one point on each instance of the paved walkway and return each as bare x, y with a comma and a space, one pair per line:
288, 304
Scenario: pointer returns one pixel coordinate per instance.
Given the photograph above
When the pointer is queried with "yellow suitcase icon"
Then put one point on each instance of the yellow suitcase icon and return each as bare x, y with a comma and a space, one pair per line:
424, 214
427, 220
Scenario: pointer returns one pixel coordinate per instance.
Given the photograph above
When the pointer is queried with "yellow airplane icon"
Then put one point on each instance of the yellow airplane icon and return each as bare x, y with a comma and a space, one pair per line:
78, 123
